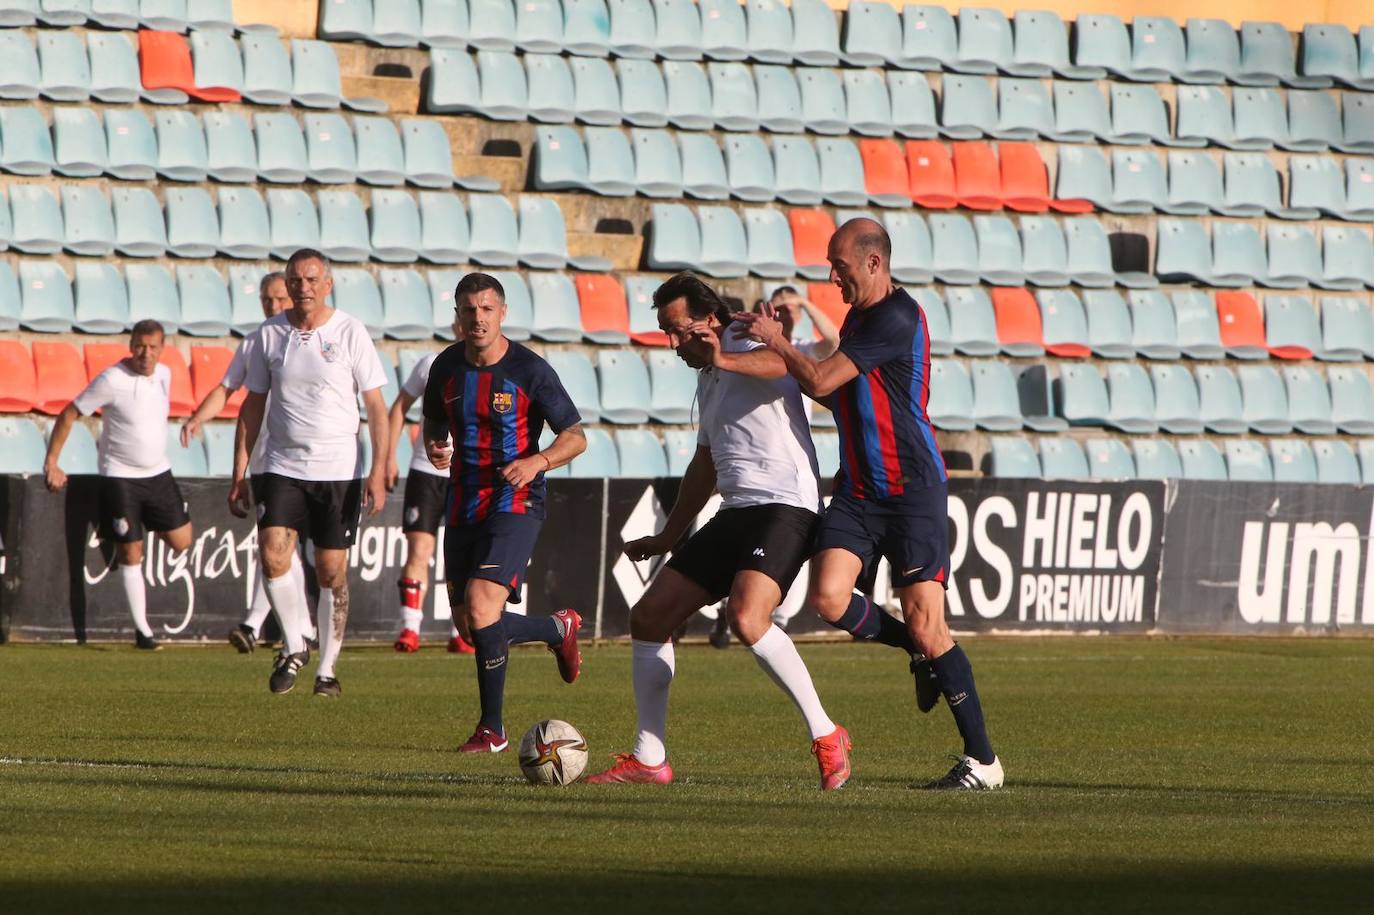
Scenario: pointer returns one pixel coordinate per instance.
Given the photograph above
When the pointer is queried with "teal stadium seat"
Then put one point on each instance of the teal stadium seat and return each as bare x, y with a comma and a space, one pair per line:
633, 29
929, 40
703, 167
295, 224
245, 312
972, 322
1154, 328
1252, 186
491, 25
749, 168
101, 300
443, 228
1108, 459
441, 285
282, 157
1138, 182
677, 29
823, 102
556, 315
519, 307
1309, 401
912, 256
1132, 399
315, 74
1064, 323
596, 94
1081, 395
381, 159
407, 310
680, 446
768, 32
913, 105
689, 104
1329, 54
89, 222
815, 34
36, 219
673, 388
217, 62
797, 171
181, 151
842, 173
230, 153
1183, 253
968, 109
644, 99
22, 449
1062, 459
1110, 334
937, 319
1035, 392
139, 228
951, 396
586, 28
62, 13
601, 459
724, 248
80, 454
867, 105
1347, 258
11, 303
1195, 186
22, 76
1083, 174
551, 97
1013, 456
27, 146
164, 15
872, 34
205, 306
1081, 116
1347, 329
1201, 460
779, 99
1265, 400
575, 370
394, 227
1293, 258
1101, 41
1045, 253
674, 239
267, 76
451, 83
1314, 121
1336, 463
1090, 256
1205, 118
356, 294
1213, 52
219, 449
115, 14
1261, 120
1357, 123
504, 92
65, 71
153, 294
658, 167
954, 249
999, 251
1247, 461
115, 76
1352, 400
724, 30
1358, 196
1158, 54
985, 41
344, 233
330, 154
1291, 328
428, 155
1042, 48
1156, 459
1199, 333
734, 101
769, 243
543, 242
996, 402
1139, 117
1177, 406
640, 453
1026, 112
46, 292
494, 235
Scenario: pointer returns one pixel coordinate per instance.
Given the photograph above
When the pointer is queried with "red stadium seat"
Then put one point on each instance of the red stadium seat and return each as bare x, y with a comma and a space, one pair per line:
1025, 181
59, 375
207, 370
976, 180
18, 385
605, 317
1241, 323
885, 174
930, 174
100, 356
643, 316
183, 403
811, 231
826, 297
1019, 328
165, 61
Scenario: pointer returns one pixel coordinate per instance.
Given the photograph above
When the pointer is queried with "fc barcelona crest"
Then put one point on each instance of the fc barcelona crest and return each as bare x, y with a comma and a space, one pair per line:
502, 402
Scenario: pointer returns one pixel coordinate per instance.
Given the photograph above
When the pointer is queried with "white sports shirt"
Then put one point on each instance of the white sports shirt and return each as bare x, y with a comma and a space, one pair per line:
133, 437
314, 378
415, 387
234, 377
758, 435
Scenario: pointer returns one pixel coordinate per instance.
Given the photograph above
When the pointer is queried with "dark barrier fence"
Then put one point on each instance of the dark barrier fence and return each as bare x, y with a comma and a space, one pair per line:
1026, 555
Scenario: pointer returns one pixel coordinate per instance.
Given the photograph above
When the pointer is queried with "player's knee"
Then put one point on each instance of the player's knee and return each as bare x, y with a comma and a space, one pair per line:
830, 602
179, 539
648, 621
129, 554
747, 624
926, 624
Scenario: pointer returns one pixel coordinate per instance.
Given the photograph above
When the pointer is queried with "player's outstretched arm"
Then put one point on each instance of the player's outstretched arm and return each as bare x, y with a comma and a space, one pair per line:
396, 424
817, 379
830, 334
53, 475
208, 409
379, 428
698, 483
756, 363
245, 440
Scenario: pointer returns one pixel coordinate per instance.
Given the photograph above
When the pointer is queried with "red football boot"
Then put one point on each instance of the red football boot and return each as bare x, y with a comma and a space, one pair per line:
569, 658
407, 642
485, 740
832, 755
630, 771
458, 645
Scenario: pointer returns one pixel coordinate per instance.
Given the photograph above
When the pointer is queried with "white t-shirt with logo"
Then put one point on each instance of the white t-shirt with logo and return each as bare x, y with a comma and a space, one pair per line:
133, 437
234, 376
759, 438
415, 387
313, 379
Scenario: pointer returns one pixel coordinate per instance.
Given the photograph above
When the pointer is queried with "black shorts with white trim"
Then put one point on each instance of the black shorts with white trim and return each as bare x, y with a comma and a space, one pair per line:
326, 511
129, 506
773, 539
425, 499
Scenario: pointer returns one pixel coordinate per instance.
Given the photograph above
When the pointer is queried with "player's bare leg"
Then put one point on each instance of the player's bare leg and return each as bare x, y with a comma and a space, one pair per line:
331, 570
414, 581
753, 595
669, 602
923, 608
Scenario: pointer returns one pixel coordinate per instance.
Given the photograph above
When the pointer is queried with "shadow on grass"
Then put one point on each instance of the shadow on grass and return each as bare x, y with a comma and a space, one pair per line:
540, 881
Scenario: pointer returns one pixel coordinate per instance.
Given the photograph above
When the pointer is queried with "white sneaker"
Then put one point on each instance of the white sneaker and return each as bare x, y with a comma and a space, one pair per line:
969, 774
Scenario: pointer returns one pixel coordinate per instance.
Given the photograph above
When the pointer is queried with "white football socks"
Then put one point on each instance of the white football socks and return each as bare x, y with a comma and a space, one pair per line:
132, 578
288, 602
411, 617
261, 606
652, 669
331, 637
779, 659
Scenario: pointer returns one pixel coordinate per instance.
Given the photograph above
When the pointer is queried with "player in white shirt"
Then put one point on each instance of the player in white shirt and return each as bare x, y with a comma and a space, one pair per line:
137, 490
426, 496
315, 361
274, 300
753, 446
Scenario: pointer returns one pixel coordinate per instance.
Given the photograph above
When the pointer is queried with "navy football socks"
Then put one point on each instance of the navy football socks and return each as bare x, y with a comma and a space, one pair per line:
955, 675
521, 628
492, 652
870, 623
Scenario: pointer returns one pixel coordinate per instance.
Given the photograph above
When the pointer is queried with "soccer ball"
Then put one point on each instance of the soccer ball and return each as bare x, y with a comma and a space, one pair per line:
553, 752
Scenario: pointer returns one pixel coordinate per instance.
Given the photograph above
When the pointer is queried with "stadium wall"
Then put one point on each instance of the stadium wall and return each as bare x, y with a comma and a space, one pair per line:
1142, 556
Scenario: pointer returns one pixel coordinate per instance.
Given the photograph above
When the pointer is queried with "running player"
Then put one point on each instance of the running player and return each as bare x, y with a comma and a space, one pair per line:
890, 498
425, 496
315, 361
755, 447
137, 490
274, 300
493, 397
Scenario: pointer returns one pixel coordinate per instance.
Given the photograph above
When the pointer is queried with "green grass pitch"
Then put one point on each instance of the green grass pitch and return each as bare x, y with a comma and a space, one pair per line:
1142, 776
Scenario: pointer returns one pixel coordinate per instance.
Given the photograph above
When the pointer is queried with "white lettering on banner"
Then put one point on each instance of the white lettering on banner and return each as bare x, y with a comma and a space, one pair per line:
958, 549
1000, 508
1081, 531
1323, 574
1133, 552
1039, 529
1067, 598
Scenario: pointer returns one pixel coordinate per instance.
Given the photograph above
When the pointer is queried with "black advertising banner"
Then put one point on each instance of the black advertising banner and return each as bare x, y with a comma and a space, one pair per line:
1268, 558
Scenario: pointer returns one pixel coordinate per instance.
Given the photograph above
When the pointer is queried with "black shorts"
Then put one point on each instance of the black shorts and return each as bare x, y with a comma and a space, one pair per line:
129, 506
772, 539
910, 532
325, 511
426, 495
497, 549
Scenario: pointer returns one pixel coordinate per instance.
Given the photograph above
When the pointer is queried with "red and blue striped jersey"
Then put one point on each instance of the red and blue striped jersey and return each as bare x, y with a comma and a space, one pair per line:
887, 444
495, 414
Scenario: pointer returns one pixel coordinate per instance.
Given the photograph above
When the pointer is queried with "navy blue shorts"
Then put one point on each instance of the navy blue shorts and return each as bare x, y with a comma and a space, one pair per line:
497, 549
911, 533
